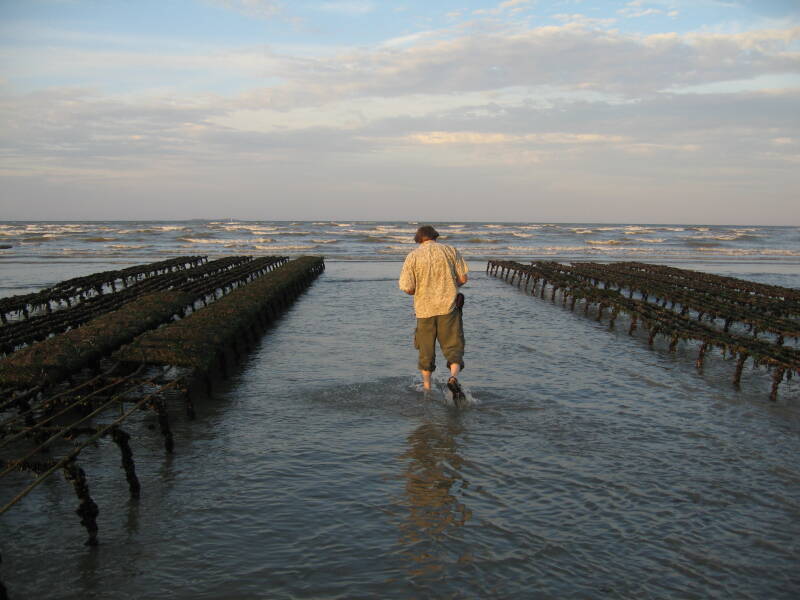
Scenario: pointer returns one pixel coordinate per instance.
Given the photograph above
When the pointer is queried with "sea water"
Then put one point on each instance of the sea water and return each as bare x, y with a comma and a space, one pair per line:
588, 465
36, 241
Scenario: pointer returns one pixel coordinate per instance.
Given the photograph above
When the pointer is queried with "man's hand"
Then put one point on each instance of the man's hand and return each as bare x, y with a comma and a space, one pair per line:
462, 279
410, 292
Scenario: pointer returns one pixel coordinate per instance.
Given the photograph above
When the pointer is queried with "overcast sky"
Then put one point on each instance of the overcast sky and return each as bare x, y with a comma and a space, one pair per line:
645, 111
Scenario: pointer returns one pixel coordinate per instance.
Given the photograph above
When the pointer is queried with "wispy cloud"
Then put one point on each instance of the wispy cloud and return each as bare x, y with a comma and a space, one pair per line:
509, 6
584, 21
253, 8
485, 98
570, 56
642, 12
478, 138
351, 7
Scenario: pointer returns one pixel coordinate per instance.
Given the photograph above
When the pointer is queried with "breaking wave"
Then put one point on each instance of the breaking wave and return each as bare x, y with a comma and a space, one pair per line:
370, 240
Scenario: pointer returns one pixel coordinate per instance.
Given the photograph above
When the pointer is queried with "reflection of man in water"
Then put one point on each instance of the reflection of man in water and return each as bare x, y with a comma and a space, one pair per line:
433, 481
432, 273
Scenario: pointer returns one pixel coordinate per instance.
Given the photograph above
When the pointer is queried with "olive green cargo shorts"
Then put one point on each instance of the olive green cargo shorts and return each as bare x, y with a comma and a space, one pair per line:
449, 330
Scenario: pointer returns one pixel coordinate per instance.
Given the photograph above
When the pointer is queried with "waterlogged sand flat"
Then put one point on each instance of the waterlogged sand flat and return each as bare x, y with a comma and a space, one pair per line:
591, 466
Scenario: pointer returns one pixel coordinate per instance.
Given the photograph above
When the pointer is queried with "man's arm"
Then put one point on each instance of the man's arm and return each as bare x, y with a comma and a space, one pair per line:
461, 270
408, 282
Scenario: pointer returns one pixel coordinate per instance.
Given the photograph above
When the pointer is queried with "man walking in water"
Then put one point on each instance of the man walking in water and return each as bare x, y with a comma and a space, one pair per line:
432, 273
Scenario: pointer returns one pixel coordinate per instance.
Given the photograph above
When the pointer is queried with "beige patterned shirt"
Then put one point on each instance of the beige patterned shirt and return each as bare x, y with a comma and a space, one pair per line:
432, 271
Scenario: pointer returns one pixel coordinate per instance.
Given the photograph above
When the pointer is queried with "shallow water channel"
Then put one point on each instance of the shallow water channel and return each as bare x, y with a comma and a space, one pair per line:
589, 466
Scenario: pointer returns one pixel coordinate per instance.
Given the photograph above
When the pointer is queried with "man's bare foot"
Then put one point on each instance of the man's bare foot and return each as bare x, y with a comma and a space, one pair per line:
426, 380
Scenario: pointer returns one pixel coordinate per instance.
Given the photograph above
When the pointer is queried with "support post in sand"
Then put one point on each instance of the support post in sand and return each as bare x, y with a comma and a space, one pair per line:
673, 343
87, 510
3, 593
614, 315
737, 375
121, 439
634, 324
701, 355
777, 377
158, 405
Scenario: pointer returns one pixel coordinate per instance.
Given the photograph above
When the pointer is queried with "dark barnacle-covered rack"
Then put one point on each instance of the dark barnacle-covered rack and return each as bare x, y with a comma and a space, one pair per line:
86, 355
81, 288
745, 319
39, 326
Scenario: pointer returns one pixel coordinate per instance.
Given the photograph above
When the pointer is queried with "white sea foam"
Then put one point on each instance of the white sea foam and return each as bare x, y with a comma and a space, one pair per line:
748, 251
252, 228
496, 231
605, 242
387, 241
471, 232
358, 232
725, 237
226, 242
393, 250
378, 233
279, 248
396, 230
480, 251
564, 249
203, 241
